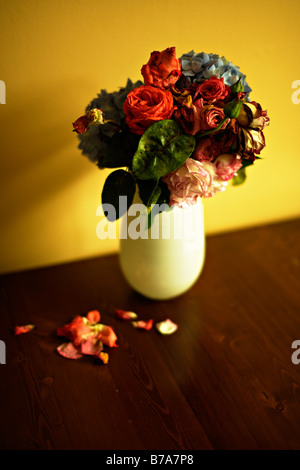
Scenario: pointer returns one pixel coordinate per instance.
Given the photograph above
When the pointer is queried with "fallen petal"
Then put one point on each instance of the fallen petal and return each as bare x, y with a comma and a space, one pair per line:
107, 335
77, 330
19, 330
93, 316
69, 351
143, 325
103, 356
92, 346
166, 327
125, 315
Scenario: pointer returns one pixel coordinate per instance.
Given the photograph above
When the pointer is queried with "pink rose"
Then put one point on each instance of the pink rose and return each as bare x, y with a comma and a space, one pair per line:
211, 117
192, 180
227, 165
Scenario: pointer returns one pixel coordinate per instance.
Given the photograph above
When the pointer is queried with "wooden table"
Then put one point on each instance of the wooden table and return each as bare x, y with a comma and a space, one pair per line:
224, 380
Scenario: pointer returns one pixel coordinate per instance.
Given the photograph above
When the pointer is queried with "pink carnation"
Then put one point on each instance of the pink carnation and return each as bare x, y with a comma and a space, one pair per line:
192, 180
227, 165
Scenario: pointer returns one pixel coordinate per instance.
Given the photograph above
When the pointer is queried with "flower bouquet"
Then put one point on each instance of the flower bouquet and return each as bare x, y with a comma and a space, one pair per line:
183, 133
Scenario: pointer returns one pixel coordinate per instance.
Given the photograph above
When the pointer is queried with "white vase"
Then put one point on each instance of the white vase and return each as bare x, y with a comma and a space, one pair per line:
164, 261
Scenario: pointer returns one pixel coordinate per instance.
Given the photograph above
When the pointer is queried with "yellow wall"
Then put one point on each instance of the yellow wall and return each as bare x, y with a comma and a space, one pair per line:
55, 56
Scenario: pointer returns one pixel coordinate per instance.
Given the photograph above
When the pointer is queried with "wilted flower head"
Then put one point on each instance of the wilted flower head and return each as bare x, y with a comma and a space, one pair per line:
252, 115
95, 117
202, 66
96, 140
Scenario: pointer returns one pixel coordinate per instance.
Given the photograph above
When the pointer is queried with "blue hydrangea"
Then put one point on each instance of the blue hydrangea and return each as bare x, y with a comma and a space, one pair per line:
202, 66
96, 140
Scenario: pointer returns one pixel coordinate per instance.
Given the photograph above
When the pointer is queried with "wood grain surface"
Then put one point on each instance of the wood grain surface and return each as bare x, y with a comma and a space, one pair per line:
224, 380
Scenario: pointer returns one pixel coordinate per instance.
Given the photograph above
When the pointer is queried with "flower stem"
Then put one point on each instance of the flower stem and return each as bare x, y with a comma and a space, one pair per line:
211, 131
113, 123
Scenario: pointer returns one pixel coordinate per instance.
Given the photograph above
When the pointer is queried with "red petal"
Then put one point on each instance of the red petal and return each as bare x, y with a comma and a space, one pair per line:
108, 336
125, 315
93, 316
76, 330
19, 330
69, 351
143, 325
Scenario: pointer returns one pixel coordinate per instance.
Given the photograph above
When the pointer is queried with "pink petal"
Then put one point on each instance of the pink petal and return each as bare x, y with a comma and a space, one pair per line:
93, 316
143, 325
19, 330
166, 327
125, 315
69, 351
91, 346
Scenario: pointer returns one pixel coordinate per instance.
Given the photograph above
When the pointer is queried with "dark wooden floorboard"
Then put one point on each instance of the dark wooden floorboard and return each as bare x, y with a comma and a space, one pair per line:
224, 380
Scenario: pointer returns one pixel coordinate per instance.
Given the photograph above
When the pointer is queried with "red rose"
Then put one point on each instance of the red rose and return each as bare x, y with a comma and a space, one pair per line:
145, 105
213, 89
81, 125
213, 145
163, 68
210, 118
188, 118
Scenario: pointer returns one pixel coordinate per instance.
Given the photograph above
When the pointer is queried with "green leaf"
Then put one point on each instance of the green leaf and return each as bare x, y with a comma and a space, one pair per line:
118, 183
153, 192
240, 177
247, 162
120, 150
162, 148
164, 197
146, 189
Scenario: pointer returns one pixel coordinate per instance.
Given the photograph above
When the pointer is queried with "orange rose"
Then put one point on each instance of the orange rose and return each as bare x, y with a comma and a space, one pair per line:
163, 68
145, 105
